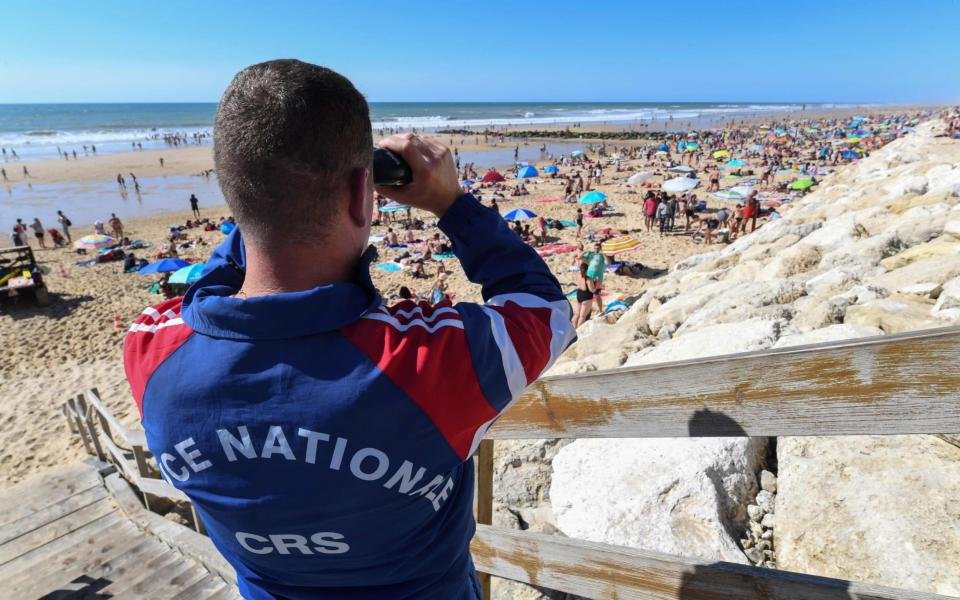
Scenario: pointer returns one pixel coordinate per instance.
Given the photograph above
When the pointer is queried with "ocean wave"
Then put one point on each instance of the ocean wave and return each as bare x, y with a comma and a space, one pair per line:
71, 139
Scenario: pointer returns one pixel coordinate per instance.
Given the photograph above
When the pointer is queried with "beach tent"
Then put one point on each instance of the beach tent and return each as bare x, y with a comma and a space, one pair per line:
95, 240
525, 172
638, 178
550, 169
164, 265
619, 245
679, 184
188, 274
519, 214
492, 177
592, 197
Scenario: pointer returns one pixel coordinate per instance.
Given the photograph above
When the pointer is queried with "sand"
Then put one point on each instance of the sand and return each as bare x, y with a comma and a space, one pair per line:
53, 353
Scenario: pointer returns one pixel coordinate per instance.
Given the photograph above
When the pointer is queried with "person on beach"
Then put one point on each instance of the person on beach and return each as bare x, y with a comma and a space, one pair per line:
161, 162
65, 224
21, 230
585, 290
4, 173
367, 493
121, 182
579, 221
649, 210
26, 173
116, 227
195, 206
38, 231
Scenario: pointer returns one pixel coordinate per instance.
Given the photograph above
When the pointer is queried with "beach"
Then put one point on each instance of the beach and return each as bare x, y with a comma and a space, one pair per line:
57, 352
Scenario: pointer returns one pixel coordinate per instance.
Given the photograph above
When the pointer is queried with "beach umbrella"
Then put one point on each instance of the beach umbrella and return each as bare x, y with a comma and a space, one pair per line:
728, 195
550, 169
682, 169
592, 197
743, 190
577, 153
736, 163
492, 177
95, 240
801, 184
188, 274
692, 145
664, 148
679, 184
638, 178
619, 245
527, 171
164, 265
721, 154
466, 183
519, 214
393, 206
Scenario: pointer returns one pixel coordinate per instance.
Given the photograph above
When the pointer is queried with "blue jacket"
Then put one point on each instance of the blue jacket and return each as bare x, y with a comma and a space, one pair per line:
325, 437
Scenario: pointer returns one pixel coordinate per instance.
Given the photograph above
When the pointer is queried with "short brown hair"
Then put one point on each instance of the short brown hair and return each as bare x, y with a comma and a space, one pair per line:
287, 134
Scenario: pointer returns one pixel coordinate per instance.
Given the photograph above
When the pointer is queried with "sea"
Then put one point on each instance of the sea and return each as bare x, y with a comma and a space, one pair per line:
38, 130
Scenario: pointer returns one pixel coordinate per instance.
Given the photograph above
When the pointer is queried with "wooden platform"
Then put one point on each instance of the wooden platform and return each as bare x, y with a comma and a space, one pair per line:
65, 535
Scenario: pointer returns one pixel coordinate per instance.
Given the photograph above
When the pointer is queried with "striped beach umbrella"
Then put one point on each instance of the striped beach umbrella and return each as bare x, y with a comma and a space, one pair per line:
619, 245
95, 240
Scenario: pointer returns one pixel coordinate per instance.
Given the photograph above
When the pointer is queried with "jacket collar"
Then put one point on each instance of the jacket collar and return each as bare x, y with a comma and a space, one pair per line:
209, 307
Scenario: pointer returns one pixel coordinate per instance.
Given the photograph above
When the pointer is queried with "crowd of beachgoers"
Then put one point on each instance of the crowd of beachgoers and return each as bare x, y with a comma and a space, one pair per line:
607, 219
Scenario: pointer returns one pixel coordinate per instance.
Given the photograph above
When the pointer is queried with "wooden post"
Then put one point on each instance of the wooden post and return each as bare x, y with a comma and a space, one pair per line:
485, 498
78, 423
141, 459
65, 411
84, 409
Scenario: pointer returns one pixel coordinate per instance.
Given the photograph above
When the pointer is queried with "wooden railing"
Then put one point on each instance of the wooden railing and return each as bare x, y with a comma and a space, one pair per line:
898, 384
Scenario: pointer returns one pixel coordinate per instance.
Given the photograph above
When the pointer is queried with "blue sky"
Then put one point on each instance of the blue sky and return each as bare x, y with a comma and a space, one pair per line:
589, 50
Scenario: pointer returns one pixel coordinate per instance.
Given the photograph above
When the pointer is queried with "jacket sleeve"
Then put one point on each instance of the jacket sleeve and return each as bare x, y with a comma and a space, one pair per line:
465, 364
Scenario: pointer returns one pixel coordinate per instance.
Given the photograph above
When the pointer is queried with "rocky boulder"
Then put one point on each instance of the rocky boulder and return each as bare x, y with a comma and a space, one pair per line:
878, 509
680, 496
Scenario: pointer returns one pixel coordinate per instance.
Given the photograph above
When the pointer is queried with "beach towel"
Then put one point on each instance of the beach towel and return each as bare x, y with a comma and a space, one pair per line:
556, 248
548, 199
567, 223
86, 263
444, 255
389, 267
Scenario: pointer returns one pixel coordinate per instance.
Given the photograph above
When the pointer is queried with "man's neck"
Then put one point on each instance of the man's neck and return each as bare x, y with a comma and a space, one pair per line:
296, 268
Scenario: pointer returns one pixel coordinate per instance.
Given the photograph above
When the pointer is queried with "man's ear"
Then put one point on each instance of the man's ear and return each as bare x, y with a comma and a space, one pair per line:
360, 206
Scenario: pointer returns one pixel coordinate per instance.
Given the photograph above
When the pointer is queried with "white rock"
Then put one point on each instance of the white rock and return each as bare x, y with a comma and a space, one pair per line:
877, 509
949, 295
680, 496
725, 338
766, 501
831, 333
768, 481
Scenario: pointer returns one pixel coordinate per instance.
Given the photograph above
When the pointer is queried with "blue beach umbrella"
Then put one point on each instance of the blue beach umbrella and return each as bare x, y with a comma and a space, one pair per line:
527, 171
164, 265
550, 169
466, 183
188, 274
519, 214
391, 207
592, 197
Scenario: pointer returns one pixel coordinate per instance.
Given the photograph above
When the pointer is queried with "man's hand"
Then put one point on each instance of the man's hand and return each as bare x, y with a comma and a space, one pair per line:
435, 186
